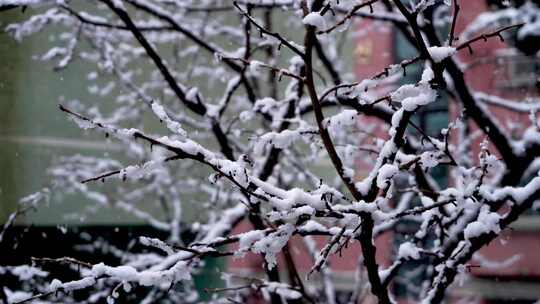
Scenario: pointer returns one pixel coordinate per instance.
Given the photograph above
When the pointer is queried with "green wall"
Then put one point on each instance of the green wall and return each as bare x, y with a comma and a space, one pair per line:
33, 132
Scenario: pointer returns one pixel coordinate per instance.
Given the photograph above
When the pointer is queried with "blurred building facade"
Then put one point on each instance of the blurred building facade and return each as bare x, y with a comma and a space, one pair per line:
510, 269
506, 271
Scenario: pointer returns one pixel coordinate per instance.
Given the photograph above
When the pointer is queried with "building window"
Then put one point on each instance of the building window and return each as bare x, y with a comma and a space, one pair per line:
518, 72
428, 120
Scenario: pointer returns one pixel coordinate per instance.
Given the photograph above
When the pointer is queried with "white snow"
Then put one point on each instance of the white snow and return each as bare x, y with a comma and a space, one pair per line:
487, 222
440, 53
414, 96
314, 19
273, 243
283, 290
246, 240
386, 173
408, 250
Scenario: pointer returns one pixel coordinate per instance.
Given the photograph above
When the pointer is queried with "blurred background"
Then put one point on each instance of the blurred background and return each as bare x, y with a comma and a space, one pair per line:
34, 134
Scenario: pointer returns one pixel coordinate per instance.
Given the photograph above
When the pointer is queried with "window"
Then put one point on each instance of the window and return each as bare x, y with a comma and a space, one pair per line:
430, 120
518, 72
